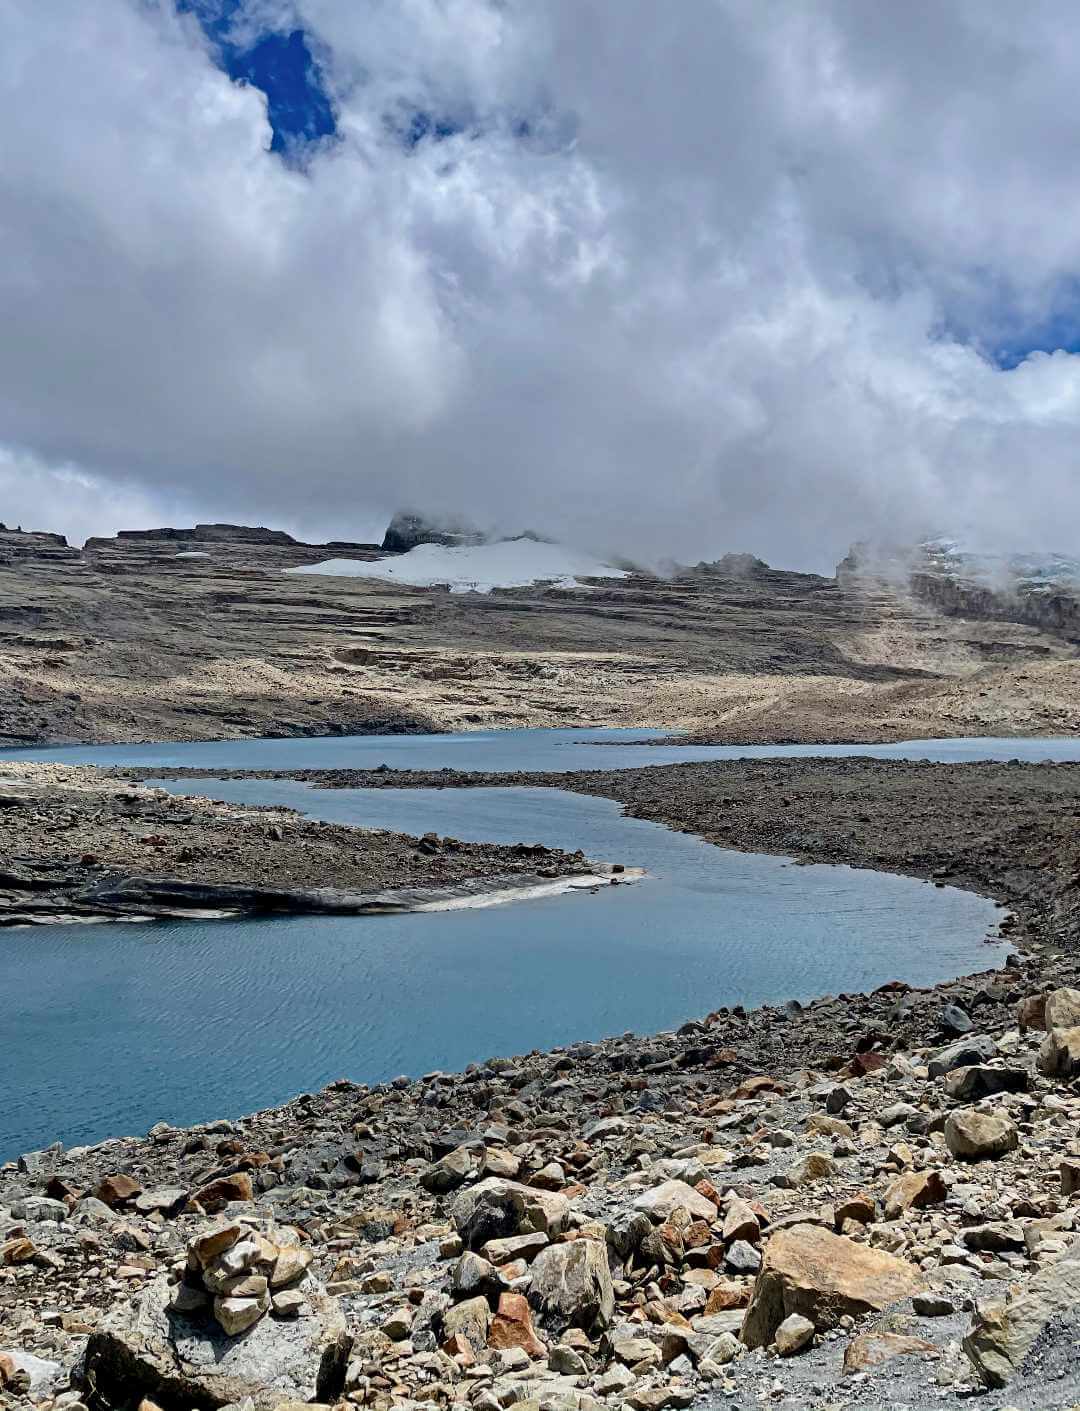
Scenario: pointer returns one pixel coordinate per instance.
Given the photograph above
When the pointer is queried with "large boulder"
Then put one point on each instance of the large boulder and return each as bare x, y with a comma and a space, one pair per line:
496, 1209
979, 1080
571, 1286
976, 1048
179, 1361
823, 1276
1062, 1009
663, 1200
974, 1135
1046, 1307
1059, 1055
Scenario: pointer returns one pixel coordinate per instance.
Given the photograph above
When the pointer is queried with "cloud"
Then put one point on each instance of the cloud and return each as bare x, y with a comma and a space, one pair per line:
675, 280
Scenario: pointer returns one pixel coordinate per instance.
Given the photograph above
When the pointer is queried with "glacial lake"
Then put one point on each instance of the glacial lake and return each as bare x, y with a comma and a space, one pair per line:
107, 1029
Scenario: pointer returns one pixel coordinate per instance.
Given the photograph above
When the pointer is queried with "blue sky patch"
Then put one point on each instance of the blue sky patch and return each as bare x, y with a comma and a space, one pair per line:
281, 65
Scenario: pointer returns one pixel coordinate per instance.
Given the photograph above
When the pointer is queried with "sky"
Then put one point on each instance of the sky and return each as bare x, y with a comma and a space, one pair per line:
661, 280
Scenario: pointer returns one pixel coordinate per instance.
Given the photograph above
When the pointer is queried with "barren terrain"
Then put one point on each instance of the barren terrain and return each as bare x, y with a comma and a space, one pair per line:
127, 641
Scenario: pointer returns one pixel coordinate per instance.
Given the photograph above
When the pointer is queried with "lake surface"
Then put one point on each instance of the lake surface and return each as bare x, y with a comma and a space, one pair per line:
108, 1029
537, 751
105, 1030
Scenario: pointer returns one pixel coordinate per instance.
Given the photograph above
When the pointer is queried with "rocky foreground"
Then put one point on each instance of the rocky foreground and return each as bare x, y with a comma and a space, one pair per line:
870, 1201
78, 846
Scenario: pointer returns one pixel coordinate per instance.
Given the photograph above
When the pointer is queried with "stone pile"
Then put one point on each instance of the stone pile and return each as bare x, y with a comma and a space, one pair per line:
240, 1274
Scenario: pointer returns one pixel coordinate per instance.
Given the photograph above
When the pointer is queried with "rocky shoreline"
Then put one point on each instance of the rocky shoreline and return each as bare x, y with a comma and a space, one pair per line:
78, 846
1007, 831
866, 1201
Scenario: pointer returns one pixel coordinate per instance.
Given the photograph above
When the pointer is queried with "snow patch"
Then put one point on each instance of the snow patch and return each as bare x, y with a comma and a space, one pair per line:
191, 554
509, 563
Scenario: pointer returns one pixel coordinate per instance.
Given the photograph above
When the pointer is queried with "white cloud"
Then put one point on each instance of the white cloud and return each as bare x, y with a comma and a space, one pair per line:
732, 291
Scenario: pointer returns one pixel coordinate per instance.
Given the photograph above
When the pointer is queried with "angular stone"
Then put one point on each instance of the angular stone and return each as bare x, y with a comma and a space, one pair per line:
473, 1274
236, 1315
860, 1207
217, 1194
914, 1189
1059, 1054
743, 1258
207, 1246
115, 1190
291, 1264
976, 1048
954, 1021
794, 1334
1031, 1012
512, 1326
525, 1247
974, 1135
1069, 1170
663, 1200
289, 1303
873, 1348
452, 1171
571, 1286
469, 1320
1062, 1009
978, 1080
823, 1276
1002, 1334
740, 1222
498, 1209
165, 1198
19, 1250
814, 1166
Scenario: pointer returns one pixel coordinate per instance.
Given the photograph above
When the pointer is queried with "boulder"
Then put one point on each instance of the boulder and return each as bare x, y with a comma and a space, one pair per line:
1031, 1012
469, 1320
512, 1327
1002, 1334
452, 1171
976, 1048
973, 1135
144, 1349
663, 1200
498, 1209
978, 1080
914, 1189
793, 1334
571, 1286
214, 1196
1059, 1055
823, 1276
116, 1190
873, 1348
1062, 1009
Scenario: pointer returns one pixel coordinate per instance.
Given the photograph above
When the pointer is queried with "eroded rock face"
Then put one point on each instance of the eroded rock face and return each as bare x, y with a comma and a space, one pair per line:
822, 1276
180, 1361
1003, 1334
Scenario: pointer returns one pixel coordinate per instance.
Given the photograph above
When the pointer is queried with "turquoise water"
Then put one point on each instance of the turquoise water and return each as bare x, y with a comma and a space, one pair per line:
105, 1030
504, 750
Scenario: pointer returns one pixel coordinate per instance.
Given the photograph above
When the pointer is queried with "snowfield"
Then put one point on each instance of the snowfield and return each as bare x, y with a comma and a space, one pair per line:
510, 563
